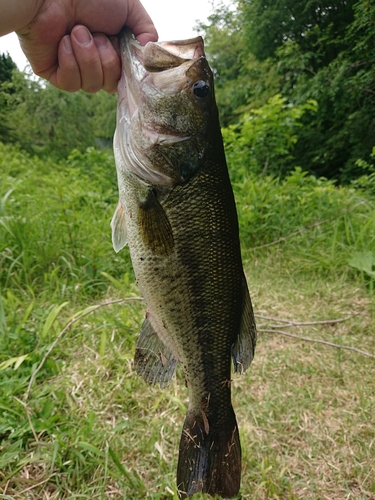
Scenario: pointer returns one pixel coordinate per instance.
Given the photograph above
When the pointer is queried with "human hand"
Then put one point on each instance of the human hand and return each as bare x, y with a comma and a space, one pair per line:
73, 44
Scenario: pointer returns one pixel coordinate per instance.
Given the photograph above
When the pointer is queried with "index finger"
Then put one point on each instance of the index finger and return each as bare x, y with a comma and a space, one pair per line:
140, 23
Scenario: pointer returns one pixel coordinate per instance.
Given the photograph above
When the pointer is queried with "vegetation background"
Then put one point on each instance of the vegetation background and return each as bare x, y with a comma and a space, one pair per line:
295, 86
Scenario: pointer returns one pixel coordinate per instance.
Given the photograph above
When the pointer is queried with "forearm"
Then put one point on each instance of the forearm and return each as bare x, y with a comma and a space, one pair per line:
16, 14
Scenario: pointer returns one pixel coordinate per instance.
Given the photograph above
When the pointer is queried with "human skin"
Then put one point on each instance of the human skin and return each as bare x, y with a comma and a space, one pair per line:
73, 43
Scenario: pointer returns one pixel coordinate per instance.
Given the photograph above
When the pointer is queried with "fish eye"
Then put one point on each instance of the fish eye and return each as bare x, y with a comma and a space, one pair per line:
201, 89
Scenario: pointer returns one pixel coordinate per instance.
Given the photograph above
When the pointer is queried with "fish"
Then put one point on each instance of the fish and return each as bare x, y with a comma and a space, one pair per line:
177, 214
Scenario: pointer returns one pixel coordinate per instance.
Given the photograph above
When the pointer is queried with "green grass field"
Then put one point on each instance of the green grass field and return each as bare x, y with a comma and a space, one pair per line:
76, 422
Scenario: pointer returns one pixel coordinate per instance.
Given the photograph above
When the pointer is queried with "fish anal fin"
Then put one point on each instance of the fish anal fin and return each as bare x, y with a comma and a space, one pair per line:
153, 360
118, 225
209, 458
244, 347
155, 228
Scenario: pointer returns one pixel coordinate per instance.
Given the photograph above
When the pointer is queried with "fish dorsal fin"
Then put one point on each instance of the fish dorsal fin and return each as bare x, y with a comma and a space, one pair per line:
244, 347
118, 225
153, 360
154, 226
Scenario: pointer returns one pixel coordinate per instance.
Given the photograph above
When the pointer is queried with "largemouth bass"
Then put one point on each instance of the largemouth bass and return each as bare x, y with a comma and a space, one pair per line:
177, 213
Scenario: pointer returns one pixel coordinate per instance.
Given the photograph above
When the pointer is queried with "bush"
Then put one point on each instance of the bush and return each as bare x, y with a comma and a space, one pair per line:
263, 141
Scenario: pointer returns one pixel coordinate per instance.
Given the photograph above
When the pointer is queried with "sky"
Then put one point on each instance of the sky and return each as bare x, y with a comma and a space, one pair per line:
173, 19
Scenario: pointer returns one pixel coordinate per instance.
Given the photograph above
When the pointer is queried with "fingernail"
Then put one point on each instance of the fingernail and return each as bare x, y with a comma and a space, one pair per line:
82, 35
67, 44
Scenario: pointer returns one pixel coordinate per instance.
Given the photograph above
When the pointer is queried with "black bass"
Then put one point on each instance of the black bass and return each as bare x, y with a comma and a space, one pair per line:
177, 213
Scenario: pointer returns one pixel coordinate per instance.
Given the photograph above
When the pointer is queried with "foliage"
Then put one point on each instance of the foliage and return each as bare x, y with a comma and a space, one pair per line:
7, 66
366, 181
103, 116
239, 76
341, 81
317, 27
47, 121
264, 139
56, 121
223, 48
343, 129
365, 263
223, 38
318, 50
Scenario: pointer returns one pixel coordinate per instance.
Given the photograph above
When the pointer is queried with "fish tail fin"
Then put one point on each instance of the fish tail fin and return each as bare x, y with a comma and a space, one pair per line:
209, 458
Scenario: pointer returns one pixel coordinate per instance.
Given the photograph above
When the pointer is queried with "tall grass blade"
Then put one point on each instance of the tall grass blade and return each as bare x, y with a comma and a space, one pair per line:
15, 362
3, 323
116, 283
51, 319
7, 228
4, 199
133, 478
89, 447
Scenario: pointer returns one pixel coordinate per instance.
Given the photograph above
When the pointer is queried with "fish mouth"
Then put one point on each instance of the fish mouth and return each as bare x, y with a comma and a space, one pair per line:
166, 55
153, 127
151, 64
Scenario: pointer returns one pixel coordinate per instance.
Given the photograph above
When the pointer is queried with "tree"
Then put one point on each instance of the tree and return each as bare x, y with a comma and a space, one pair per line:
7, 67
264, 140
316, 50
343, 130
50, 122
239, 76
318, 27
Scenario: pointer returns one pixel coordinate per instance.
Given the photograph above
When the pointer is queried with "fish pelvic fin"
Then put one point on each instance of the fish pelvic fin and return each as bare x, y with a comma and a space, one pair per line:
244, 347
118, 225
209, 458
153, 360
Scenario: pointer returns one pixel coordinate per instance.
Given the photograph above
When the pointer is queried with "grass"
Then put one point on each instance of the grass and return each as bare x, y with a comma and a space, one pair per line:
306, 411
91, 428
313, 406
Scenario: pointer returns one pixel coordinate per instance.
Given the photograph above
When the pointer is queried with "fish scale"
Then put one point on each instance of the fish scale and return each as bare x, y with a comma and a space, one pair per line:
177, 214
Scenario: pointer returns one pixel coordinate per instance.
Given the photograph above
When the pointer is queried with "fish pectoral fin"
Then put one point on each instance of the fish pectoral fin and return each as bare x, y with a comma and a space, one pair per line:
118, 225
244, 347
155, 228
153, 360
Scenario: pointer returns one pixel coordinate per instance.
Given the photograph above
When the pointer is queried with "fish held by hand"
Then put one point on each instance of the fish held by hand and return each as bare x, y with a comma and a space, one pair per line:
177, 213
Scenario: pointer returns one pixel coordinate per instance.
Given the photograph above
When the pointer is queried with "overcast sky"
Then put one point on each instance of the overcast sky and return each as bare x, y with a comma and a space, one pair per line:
174, 20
